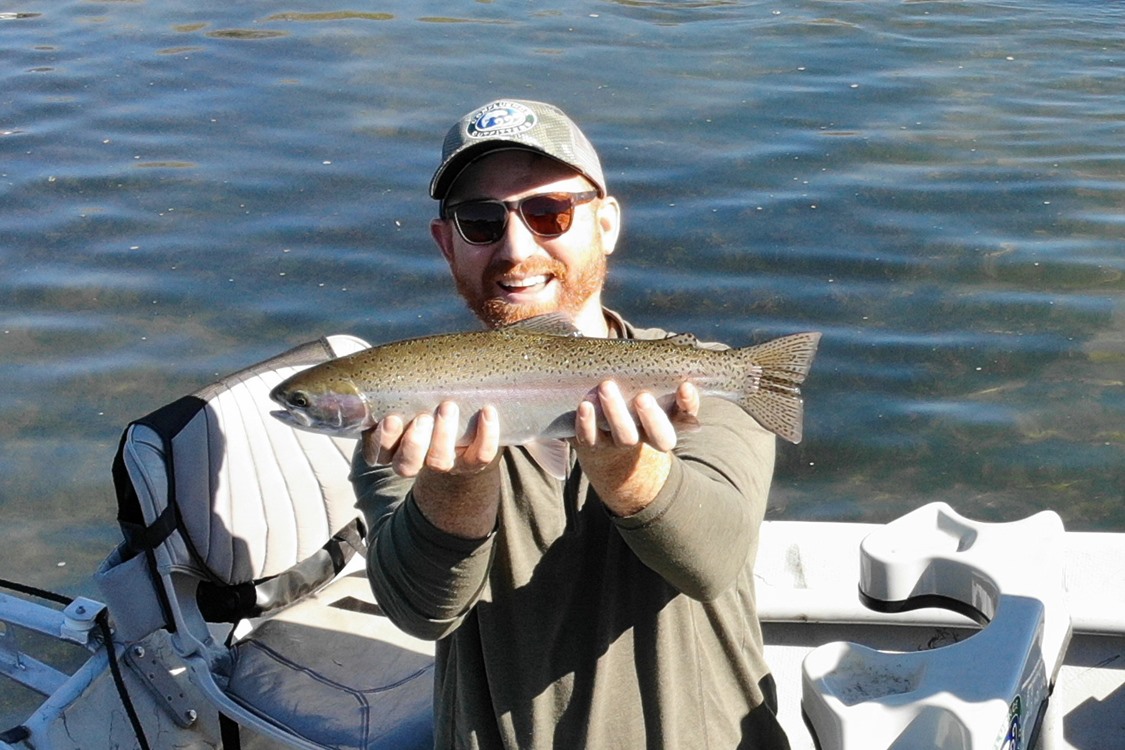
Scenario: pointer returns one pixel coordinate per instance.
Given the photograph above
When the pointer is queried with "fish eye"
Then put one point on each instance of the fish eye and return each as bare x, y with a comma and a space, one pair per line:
300, 399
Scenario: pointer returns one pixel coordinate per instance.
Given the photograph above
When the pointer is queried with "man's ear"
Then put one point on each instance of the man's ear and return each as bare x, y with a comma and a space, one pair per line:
609, 222
442, 232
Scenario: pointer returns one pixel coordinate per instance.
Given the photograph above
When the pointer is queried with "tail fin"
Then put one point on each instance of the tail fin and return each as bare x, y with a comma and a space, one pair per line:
777, 402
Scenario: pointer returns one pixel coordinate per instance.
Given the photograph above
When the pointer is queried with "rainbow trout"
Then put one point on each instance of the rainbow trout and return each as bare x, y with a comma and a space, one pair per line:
535, 373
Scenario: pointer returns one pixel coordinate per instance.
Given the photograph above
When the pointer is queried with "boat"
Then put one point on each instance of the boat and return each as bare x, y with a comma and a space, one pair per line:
229, 624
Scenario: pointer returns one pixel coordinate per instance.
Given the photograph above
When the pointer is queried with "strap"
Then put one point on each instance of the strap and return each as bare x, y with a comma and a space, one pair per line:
166, 422
217, 600
15, 734
21, 588
141, 537
229, 733
225, 603
119, 681
21, 732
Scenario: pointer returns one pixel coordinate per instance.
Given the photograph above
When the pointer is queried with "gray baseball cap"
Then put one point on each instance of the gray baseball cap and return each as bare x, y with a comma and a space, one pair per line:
520, 124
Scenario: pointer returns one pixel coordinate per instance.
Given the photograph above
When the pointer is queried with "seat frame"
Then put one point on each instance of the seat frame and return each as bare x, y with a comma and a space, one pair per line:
242, 530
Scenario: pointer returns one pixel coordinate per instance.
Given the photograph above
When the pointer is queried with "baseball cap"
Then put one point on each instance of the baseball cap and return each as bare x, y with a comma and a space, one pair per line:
519, 124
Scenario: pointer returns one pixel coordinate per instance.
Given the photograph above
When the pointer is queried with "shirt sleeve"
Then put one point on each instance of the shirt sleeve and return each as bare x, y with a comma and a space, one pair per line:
703, 525
429, 597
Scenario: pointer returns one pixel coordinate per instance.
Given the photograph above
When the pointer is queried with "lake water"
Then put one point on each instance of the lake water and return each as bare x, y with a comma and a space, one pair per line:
939, 187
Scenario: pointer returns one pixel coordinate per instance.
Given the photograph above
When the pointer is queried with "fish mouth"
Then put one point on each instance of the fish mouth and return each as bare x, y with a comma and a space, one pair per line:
301, 421
293, 419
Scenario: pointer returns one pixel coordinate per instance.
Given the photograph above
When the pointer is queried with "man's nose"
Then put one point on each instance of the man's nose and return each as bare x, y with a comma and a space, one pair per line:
518, 243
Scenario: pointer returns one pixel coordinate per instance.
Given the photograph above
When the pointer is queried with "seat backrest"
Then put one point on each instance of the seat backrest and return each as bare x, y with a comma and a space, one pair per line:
234, 497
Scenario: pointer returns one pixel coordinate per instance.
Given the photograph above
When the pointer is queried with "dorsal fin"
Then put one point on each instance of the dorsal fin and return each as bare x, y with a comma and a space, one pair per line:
551, 324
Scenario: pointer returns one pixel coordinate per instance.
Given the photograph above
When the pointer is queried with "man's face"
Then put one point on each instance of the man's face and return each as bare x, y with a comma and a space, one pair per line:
523, 274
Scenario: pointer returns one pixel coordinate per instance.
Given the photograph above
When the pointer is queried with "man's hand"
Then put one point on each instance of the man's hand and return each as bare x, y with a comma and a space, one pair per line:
430, 441
457, 488
628, 462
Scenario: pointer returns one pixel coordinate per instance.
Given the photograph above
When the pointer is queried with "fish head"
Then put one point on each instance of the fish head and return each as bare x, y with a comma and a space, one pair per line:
312, 402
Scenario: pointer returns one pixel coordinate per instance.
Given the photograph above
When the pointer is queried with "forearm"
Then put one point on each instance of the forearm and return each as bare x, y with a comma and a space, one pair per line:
424, 578
426, 581
628, 464
701, 528
628, 484
464, 506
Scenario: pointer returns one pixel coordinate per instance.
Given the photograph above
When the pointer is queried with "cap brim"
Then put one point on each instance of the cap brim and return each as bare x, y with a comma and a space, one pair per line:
452, 168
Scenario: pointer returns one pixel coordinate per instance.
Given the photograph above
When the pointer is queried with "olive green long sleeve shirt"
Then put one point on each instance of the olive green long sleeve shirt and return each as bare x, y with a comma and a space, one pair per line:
568, 627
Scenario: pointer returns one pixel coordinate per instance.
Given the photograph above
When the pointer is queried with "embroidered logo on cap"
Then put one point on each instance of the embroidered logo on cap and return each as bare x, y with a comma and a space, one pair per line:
501, 119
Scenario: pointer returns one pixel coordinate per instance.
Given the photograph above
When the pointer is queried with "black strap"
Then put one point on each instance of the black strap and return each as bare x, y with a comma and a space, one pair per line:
115, 668
33, 591
218, 600
15, 734
229, 733
20, 733
152, 535
232, 603
141, 538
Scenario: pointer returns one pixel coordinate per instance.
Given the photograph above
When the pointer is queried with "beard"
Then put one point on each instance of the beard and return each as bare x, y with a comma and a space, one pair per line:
575, 287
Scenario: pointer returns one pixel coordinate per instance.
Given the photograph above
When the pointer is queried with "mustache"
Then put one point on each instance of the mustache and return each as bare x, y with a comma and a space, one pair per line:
500, 269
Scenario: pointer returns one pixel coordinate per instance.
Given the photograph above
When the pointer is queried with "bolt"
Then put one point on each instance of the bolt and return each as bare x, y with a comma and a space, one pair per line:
191, 716
139, 652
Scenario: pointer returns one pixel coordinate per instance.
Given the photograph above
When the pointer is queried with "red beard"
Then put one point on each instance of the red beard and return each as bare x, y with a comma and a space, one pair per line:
574, 289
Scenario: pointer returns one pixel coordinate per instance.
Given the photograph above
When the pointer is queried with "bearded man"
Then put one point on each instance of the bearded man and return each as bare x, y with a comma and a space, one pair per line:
612, 608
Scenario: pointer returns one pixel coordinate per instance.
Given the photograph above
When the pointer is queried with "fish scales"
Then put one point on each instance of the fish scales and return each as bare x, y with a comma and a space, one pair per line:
536, 380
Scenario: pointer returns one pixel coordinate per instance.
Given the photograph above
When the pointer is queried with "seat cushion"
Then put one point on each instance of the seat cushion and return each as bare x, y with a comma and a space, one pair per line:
299, 669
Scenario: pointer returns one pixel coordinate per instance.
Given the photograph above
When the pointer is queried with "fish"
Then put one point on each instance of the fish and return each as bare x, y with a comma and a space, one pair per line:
535, 373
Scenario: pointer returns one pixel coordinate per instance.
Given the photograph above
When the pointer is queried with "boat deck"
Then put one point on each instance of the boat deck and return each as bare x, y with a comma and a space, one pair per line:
807, 578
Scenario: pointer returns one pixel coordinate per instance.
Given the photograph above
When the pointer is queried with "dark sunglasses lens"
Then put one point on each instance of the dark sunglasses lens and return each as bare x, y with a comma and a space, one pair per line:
481, 223
548, 215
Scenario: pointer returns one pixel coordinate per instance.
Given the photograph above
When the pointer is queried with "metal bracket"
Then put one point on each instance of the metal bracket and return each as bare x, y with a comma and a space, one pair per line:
79, 618
157, 677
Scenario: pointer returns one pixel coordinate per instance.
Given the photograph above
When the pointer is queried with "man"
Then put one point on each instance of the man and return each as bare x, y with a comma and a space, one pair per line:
610, 609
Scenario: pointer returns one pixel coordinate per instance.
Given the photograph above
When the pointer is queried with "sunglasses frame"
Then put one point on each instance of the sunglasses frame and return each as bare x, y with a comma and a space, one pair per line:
449, 212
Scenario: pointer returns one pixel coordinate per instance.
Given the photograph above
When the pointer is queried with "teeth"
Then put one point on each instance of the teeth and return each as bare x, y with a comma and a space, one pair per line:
525, 283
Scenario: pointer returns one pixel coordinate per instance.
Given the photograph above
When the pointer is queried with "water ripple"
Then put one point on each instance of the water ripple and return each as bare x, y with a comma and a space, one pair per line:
937, 187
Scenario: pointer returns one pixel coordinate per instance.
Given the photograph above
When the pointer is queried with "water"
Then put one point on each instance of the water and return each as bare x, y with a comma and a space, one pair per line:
939, 187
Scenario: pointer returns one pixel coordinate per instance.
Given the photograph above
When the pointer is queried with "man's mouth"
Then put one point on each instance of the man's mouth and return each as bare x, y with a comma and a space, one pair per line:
525, 284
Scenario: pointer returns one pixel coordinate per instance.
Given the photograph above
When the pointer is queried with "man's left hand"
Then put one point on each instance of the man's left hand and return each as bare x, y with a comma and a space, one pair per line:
628, 461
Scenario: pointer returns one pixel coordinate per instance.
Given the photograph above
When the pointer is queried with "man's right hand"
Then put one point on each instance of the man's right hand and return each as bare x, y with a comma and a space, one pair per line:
430, 441
456, 487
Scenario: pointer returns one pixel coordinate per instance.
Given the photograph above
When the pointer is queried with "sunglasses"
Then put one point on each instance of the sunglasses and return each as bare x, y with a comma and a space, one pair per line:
547, 215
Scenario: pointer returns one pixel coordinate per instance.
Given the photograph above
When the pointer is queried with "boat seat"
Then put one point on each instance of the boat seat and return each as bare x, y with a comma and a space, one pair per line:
243, 541
988, 691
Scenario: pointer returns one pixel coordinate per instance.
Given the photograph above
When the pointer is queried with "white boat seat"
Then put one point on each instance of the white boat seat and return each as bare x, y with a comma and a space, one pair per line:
231, 516
988, 691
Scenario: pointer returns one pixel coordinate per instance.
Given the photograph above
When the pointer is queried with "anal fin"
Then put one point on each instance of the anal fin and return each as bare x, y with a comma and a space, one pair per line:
553, 456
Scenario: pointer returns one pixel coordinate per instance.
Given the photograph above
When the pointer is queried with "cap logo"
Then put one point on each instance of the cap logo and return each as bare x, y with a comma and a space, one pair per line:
501, 119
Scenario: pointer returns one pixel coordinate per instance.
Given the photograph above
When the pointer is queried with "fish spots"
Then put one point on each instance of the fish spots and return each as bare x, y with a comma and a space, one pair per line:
541, 376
